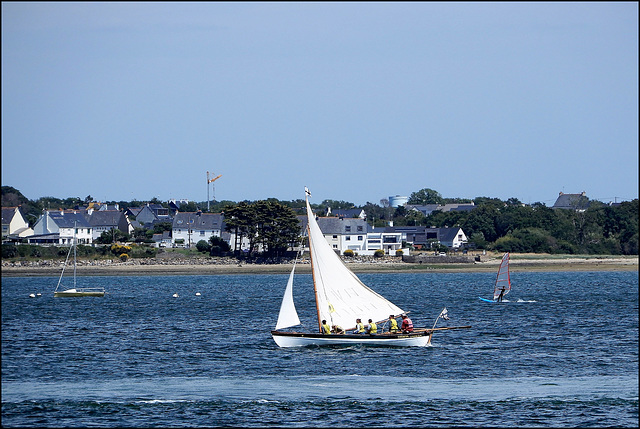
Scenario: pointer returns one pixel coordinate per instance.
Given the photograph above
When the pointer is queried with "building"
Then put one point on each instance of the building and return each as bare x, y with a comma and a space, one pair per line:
14, 226
57, 227
398, 201
422, 237
348, 213
151, 214
577, 202
107, 220
453, 207
190, 227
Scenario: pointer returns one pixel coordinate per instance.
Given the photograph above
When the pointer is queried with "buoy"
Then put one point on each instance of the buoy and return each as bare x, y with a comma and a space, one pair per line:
197, 293
32, 296
175, 295
39, 294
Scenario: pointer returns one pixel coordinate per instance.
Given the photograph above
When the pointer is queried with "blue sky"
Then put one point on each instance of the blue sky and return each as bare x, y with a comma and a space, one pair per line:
357, 101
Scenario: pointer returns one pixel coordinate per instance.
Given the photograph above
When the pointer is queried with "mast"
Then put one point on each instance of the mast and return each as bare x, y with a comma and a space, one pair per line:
74, 255
313, 272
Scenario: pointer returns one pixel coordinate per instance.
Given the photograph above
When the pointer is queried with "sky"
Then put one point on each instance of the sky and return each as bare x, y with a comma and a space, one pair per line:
357, 101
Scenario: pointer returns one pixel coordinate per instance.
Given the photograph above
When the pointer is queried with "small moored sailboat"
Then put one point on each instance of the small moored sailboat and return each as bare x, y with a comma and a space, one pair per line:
341, 298
75, 291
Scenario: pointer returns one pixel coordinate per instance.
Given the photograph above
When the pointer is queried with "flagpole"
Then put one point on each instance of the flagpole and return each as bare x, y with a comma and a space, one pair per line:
439, 316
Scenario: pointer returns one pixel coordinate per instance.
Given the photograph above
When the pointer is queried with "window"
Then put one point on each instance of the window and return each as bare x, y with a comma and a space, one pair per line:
347, 228
348, 238
359, 228
359, 238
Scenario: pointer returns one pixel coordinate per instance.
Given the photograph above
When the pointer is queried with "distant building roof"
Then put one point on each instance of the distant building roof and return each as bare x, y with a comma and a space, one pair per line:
69, 219
199, 220
577, 202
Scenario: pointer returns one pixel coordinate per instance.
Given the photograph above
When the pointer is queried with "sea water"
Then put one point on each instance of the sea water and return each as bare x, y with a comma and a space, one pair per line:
561, 352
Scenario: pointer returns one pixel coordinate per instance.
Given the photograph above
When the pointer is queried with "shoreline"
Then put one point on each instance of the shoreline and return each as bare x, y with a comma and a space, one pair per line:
198, 267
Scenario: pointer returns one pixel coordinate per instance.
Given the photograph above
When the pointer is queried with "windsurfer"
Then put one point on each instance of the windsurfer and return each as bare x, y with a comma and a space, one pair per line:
407, 324
501, 295
325, 328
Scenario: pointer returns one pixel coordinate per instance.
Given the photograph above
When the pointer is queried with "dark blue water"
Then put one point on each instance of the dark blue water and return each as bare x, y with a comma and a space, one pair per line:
563, 352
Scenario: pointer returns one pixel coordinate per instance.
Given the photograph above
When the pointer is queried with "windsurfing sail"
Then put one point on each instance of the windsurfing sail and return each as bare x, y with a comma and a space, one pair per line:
341, 297
288, 315
503, 280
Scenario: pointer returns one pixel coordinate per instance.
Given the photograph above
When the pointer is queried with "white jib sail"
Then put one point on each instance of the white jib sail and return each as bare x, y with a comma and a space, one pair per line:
288, 315
341, 297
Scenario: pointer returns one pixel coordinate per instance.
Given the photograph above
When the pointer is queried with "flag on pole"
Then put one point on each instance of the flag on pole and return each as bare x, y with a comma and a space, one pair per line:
306, 191
444, 314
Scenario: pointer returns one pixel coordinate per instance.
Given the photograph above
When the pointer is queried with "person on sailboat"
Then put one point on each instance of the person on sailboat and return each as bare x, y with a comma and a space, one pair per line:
359, 327
407, 324
325, 328
501, 295
372, 328
393, 328
337, 329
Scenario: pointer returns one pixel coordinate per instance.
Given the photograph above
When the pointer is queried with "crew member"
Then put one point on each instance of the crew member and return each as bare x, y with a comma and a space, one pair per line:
372, 328
325, 328
337, 329
359, 327
393, 328
407, 324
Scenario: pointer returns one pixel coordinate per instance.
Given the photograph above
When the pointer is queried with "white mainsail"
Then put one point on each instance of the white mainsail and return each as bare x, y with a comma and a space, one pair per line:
288, 315
341, 297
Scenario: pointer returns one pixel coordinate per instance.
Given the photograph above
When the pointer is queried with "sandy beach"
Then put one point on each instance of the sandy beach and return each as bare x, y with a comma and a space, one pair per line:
210, 266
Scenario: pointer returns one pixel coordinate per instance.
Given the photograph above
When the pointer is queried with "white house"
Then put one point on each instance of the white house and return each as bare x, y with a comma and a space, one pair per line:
344, 233
57, 227
423, 237
14, 226
388, 241
190, 227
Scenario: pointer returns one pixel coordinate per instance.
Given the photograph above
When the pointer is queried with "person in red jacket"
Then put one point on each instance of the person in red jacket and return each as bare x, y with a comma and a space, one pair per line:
407, 324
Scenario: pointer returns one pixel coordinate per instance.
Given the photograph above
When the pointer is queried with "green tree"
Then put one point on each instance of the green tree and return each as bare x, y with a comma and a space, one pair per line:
278, 227
239, 221
113, 235
425, 196
219, 247
203, 246
337, 205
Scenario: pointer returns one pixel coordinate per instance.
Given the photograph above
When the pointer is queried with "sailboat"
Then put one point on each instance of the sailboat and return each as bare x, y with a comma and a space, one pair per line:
75, 291
503, 281
341, 298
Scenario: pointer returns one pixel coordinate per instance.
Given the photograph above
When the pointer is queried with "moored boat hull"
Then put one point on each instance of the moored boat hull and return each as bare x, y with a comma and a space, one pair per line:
298, 339
77, 292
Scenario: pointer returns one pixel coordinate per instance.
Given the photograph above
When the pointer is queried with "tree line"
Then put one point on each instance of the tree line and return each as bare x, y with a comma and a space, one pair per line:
505, 226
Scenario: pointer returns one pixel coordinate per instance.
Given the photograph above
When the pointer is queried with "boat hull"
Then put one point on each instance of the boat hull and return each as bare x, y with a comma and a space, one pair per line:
299, 339
77, 292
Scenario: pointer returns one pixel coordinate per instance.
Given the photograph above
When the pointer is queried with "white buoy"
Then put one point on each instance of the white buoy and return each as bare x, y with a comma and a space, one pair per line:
175, 295
39, 294
197, 293
32, 296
